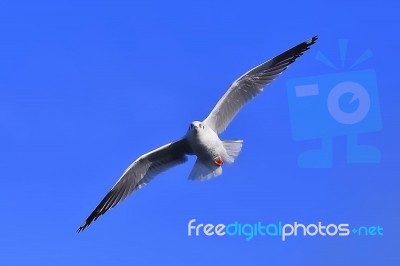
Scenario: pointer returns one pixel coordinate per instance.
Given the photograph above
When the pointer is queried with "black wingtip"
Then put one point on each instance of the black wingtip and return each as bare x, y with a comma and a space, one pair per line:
304, 46
299, 49
81, 228
312, 40
295, 52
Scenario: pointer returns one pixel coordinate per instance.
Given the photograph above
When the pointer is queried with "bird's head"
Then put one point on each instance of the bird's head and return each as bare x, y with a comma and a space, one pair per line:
196, 126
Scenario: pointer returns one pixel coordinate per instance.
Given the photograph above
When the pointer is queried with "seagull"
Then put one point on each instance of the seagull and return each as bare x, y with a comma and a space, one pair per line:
201, 138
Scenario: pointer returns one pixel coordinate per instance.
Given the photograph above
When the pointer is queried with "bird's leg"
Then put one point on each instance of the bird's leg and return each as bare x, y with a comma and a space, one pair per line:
218, 161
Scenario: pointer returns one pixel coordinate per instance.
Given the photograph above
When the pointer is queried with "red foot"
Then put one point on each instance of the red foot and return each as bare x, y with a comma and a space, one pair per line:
218, 161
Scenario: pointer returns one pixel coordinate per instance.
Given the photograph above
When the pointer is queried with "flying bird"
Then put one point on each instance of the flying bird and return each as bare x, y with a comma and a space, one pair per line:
201, 138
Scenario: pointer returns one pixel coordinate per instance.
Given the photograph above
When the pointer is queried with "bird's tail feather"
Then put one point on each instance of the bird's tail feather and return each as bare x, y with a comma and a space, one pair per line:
202, 171
232, 148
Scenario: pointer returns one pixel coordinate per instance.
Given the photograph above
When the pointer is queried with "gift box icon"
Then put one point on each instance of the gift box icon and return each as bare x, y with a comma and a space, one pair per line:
345, 103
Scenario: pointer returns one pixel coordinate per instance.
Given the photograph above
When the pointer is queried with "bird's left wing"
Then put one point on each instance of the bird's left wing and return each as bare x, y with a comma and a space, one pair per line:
139, 173
251, 84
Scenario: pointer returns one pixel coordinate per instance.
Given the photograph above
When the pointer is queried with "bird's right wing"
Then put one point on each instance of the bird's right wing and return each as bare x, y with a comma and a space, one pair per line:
250, 85
139, 173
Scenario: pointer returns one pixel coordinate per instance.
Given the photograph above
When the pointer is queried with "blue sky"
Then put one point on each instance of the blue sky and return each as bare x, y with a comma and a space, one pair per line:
87, 87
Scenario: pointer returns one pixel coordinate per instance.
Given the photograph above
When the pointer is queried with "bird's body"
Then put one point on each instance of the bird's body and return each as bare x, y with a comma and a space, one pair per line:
204, 142
202, 138
211, 152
